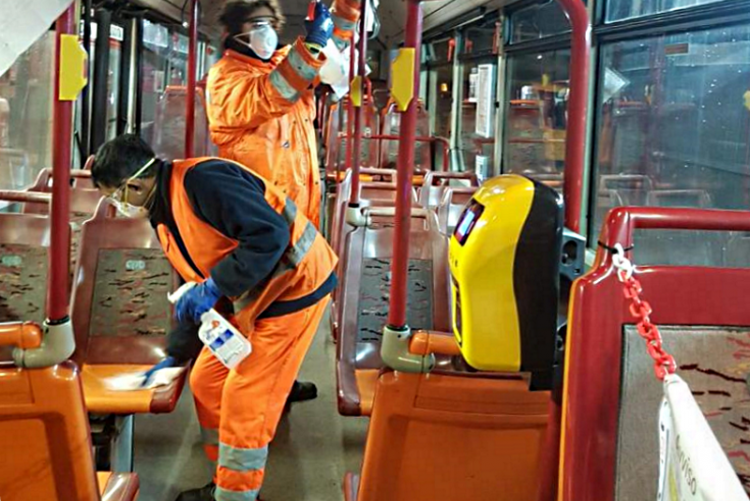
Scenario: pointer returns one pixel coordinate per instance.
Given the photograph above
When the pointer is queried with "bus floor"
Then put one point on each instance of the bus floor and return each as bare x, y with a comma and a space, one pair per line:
313, 449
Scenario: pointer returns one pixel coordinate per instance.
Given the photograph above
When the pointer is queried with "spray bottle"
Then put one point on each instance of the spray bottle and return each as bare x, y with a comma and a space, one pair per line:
227, 344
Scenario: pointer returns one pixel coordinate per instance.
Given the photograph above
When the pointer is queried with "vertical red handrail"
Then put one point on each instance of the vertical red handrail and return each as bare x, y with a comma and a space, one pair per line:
575, 145
191, 80
575, 151
360, 112
62, 123
406, 148
350, 109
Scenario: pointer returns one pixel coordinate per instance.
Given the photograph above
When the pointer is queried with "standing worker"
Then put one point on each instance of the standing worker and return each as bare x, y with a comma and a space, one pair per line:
226, 228
261, 101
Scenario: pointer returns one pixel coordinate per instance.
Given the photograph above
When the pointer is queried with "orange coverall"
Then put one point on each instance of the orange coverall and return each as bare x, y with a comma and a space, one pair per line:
261, 113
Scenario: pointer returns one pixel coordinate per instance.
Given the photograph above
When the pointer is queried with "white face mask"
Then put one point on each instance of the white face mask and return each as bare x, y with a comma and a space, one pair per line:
129, 210
119, 197
263, 40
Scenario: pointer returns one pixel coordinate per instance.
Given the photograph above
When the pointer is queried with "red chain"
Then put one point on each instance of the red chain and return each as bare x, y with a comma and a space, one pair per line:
664, 363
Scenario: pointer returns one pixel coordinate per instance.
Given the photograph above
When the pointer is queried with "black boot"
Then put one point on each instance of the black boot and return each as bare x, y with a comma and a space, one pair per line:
205, 493
300, 393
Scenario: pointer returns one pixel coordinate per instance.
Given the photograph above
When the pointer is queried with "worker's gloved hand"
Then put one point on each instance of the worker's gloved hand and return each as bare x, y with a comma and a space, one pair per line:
320, 29
197, 301
164, 364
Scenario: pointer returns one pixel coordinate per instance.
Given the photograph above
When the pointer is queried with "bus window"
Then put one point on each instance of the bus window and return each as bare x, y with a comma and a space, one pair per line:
26, 99
536, 115
674, 124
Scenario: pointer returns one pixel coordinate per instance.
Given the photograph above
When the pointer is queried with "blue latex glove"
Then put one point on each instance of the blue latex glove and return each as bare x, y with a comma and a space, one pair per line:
164, 364
197, 301
320, 29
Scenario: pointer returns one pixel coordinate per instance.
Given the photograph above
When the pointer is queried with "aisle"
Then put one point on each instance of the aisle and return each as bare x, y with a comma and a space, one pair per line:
313, 448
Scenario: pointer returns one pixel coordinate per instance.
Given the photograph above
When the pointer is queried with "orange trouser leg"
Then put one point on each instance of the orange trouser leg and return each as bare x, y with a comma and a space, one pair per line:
250, 399
207, 384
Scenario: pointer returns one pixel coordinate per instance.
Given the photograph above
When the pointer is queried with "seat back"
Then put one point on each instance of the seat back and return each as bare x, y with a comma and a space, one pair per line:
362, 301
169, 124
391, 126
120, 310
44, 432
442, 436
610, 446
24, 244
79, 178
451, 207
435, 184
337, 132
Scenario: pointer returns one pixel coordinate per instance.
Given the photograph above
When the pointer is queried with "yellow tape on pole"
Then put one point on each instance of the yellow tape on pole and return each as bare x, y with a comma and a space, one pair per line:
356, 91
73, 63
402, 78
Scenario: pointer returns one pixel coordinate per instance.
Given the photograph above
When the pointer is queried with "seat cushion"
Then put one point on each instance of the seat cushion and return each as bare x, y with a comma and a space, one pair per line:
101, 400
118, 486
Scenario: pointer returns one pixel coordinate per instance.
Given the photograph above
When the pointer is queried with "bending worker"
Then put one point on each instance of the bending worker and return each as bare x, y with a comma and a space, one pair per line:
227, 228
261, 102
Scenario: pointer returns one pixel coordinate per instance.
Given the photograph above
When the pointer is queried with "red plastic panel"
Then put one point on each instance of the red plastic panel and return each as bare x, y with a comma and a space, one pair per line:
678, 296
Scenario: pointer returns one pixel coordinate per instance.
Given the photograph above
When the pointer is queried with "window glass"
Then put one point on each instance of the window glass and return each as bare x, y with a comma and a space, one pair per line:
441, 51
154, 79
178, 59
481, 38
113, 87
442, 89
478, 112
536, 115
618, 10
538, 21
674, 127
26, 96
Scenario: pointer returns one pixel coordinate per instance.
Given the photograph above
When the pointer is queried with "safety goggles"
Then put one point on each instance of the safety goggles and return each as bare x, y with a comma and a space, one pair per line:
120, 195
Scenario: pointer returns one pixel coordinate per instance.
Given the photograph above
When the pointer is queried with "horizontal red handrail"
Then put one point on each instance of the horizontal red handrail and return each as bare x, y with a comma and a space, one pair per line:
622, 221
25, 196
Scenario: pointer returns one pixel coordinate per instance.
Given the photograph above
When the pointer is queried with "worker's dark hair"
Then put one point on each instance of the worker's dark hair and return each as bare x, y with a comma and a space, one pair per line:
118, 159
236, 12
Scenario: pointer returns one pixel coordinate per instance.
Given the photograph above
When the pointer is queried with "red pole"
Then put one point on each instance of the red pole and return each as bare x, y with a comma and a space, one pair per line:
191, 79
59, 248
575, 145
350, 109
360, 113
575, 150
406, 147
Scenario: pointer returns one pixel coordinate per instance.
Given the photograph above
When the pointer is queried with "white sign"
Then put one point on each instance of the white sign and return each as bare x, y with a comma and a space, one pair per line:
482, 167
692, 464
22, 23
485, 99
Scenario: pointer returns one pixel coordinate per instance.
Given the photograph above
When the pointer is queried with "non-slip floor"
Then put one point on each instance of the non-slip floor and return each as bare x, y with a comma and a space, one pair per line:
313, 449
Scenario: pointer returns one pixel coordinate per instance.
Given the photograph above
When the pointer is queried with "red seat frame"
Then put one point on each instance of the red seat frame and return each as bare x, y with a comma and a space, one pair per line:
682, 295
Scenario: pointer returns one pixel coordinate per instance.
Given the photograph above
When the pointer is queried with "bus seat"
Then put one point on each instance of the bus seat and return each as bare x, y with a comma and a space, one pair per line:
24, 240
336, 136
435, 184
610, 448
79, 178
391, 125
451, 206
362, 303
121, 314
437, 436
45, 435
83, 203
